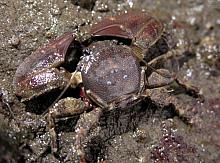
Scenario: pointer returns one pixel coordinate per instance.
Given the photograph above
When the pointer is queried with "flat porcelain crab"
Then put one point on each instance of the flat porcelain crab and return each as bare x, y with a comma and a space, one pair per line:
110, 74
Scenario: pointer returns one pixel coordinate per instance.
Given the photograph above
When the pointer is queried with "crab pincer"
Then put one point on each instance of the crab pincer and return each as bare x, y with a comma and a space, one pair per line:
38, 73
140, 27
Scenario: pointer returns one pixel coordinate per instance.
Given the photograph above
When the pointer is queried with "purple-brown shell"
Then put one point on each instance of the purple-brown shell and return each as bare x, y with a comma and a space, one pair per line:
143, 29
37, 73
110, 71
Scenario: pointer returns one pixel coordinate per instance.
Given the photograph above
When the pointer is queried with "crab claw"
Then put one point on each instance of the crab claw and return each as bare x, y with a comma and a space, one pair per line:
38, 73
140, 27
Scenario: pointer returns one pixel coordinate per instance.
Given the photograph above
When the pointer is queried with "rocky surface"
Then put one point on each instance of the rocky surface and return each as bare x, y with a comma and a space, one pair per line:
163, 128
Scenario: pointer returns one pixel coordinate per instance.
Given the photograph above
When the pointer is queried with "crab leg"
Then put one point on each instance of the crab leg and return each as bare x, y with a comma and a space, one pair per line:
86, 122
190, 89
156, 62
155, 80
64, 108
138, 52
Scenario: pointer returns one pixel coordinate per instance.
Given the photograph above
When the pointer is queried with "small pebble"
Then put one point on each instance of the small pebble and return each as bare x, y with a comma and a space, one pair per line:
14, 41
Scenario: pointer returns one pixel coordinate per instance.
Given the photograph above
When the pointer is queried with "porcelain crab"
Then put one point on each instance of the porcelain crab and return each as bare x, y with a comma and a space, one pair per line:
110, 73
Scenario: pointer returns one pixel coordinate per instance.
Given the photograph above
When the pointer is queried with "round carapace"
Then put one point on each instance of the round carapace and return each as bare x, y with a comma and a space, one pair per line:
110, 71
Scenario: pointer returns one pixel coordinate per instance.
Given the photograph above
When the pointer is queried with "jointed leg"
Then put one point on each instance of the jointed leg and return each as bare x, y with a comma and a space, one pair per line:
158, 62
190, 90
139, 54
86, 122
155, 80
64, 108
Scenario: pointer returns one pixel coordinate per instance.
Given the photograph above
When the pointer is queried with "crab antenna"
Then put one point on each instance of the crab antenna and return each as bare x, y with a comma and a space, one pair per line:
61, 94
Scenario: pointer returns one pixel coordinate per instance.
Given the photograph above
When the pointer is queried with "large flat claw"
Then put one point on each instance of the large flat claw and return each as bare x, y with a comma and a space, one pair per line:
38, 70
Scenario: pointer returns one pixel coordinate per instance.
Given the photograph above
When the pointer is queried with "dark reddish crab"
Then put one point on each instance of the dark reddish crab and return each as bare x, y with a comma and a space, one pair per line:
109, 74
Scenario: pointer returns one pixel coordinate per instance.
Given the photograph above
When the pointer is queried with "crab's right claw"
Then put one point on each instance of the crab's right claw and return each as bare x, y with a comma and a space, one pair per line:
38, 73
